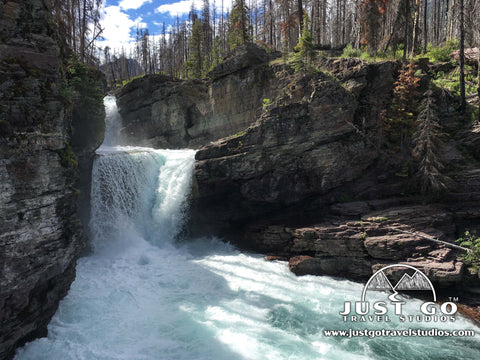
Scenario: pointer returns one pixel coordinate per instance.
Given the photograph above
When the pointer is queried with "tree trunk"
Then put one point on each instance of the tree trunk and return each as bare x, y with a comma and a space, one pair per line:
415, 28
407, 28
344, 19
324, 23
270, 18
300, 14
478, 84
451, 19
463, 103
425, 26
83, 31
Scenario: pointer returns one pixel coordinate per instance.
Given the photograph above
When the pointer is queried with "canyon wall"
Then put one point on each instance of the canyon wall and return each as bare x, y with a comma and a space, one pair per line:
163, 112
40, 234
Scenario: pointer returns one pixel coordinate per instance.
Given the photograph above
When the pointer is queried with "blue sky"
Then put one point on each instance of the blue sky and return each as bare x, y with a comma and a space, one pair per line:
120, 17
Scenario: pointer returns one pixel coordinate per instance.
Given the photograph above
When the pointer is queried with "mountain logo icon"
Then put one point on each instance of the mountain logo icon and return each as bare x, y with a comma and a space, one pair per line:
409, 281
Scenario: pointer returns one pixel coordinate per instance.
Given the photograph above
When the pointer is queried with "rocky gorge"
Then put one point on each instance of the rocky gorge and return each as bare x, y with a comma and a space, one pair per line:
308, 180
288, 164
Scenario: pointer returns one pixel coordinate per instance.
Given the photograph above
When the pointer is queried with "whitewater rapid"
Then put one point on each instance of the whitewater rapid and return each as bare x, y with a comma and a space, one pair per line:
144, 294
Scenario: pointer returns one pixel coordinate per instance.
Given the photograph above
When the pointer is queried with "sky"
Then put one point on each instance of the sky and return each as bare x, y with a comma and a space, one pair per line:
121, 17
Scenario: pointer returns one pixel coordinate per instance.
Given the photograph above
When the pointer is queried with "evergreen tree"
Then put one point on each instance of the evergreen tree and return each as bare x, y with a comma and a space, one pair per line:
427, 140
305, 50
194, 64
214, 57
239, 25
207, 29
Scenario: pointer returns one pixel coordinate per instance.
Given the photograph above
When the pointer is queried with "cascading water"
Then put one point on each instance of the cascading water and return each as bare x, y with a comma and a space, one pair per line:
140, 296
113, 123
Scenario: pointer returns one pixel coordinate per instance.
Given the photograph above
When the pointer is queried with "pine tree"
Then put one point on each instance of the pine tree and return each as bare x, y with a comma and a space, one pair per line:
194, 64
305, 50
427, 141
214, 57
239, 25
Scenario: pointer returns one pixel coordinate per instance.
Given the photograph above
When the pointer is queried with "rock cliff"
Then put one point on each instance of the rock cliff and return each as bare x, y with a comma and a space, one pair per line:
40, 235
308, 182
163, 112
305, 145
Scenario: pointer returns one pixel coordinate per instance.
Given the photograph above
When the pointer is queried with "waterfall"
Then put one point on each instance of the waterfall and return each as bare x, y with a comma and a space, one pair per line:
113, 122
139, 192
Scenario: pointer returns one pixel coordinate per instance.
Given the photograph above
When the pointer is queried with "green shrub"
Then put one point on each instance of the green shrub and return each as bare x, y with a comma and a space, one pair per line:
67, 157
379, 55
442, 53
349, 52
472, 242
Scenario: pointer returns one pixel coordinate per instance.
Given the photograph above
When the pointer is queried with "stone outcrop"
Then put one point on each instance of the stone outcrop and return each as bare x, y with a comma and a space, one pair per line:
471, 56
40, 235
356, 249
88, 132
163, 112
309, 142
242, 57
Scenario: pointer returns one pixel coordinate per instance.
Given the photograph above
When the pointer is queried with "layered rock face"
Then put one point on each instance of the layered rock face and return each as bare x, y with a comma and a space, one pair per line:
88, 124
308, 143
285, 186
40, 236
162, 112
355, 248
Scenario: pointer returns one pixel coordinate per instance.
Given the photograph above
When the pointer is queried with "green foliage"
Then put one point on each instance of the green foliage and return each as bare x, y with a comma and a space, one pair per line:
76, 71
81, 87
241, 133
238, 32
470, 241
285, 50
442, 53
451, 80
427, 141
215, 56
305, 50
266, 102
125, 82
67, 157
350, 52
194, 64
